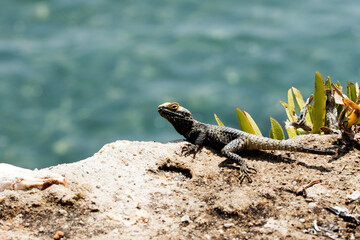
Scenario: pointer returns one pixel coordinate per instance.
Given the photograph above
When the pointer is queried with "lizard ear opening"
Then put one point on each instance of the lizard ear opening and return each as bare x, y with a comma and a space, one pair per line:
188, 115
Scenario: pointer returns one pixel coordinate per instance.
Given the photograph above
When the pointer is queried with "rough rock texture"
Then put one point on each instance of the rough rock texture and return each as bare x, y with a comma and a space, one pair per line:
147, 190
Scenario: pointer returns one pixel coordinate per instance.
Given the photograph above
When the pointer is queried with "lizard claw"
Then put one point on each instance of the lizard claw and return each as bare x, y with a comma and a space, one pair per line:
245, 172
189, 149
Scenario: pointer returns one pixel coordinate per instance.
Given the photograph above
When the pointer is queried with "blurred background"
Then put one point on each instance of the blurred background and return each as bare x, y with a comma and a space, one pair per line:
77, 74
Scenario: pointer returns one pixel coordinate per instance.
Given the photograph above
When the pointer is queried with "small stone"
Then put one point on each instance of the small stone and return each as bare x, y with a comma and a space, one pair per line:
185, 218
312, 205
63, 212
302, 220
229, 225
59, 235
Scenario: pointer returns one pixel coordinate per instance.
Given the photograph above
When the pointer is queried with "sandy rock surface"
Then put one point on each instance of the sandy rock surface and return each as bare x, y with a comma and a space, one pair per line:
147, 190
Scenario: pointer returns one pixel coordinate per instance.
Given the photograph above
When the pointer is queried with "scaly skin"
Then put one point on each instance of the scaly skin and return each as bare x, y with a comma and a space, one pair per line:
228, 140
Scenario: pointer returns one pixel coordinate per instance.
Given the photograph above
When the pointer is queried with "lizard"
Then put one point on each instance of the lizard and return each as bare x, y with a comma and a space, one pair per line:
229, 141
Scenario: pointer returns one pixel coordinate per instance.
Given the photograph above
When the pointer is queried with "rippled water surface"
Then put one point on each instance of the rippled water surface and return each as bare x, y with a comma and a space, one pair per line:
75, 75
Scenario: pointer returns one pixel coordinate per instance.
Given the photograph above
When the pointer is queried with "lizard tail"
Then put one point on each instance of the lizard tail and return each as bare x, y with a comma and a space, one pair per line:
261, 143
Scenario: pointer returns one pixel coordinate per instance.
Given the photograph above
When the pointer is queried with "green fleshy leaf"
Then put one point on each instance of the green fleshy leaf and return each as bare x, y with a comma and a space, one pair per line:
291, 105
286, 106
271, 135
276, 131
351, 91
300, 103
253, 124
218, 120
328, 83
244, 122
318, 108
298, 98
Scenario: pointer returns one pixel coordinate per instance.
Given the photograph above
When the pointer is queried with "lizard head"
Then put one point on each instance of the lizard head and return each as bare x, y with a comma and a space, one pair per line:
177, 115
174, 112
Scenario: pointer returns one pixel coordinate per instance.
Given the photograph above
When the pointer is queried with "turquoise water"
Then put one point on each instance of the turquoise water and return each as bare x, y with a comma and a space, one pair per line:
75, 75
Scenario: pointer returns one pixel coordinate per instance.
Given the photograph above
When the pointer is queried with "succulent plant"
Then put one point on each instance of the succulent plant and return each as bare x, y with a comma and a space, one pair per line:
328, 103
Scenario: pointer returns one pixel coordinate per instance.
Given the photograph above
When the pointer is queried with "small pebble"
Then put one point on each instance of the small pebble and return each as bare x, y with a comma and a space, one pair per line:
185, 218
59, 235
63, 212
302, 220
229, 225
312, 205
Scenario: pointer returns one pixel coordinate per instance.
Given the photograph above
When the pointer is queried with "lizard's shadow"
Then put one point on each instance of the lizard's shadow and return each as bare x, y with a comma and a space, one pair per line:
266, 157
345, 145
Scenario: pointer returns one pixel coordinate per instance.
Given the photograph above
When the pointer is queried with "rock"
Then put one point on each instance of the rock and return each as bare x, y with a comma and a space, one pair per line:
148, 190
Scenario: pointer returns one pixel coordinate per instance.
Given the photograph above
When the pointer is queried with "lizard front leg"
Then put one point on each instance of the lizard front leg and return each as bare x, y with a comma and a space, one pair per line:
196, 147
230, 150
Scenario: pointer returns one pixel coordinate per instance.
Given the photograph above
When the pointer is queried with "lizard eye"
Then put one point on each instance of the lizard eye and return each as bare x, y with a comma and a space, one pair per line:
174, 106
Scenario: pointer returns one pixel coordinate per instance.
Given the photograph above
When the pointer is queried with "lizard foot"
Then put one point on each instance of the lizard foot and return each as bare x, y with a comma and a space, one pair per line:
189, 149
245, 172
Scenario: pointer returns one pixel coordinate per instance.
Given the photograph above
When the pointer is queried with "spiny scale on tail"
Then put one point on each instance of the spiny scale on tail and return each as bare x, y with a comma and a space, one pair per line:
255, 142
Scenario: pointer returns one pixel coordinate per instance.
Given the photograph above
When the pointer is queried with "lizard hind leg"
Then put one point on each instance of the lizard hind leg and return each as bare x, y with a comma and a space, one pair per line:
230, 150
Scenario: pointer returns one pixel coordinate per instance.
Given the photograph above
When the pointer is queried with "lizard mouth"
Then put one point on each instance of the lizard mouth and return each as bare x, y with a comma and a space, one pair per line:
165, 112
